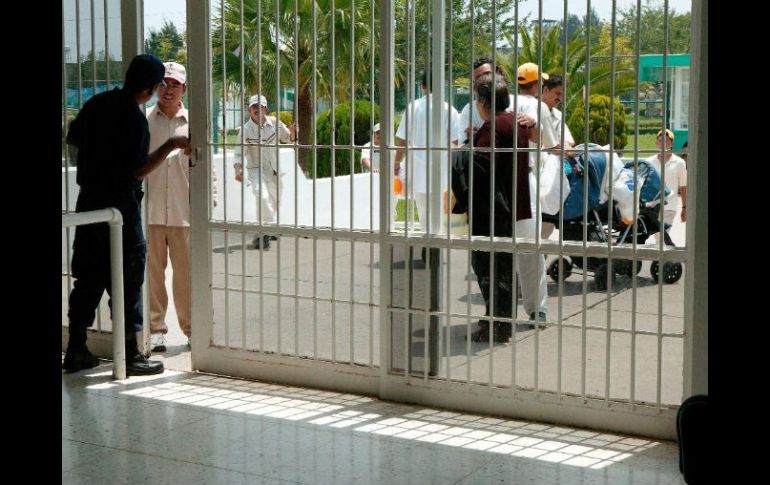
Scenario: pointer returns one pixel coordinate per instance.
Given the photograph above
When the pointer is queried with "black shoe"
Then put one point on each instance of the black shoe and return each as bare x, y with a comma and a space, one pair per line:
481, 334
273, 238
261, 243
540, 318
139, 365
78, 359
503, 332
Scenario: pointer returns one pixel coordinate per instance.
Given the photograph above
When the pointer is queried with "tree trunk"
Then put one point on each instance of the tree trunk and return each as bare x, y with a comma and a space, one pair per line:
305, 124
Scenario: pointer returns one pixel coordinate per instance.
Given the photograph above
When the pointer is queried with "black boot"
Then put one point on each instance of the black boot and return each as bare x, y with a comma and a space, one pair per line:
261, 242
481, 334
503, 332
78, 357
136, 363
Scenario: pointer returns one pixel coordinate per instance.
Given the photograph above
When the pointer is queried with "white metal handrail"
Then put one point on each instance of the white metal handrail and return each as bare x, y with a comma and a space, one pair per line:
114, 218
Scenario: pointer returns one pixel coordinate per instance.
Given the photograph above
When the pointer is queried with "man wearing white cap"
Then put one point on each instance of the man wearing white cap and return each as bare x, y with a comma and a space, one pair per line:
261, 154
370, 152
168, 224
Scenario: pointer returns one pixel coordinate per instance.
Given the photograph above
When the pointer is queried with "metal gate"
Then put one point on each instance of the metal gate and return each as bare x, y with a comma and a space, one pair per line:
355, 296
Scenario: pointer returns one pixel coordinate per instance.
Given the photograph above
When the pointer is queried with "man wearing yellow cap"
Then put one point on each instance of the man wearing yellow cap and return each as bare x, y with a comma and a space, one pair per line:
527, 76
675, 177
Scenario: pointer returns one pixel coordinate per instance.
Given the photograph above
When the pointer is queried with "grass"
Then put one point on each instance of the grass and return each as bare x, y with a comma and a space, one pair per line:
646, 142
401, 211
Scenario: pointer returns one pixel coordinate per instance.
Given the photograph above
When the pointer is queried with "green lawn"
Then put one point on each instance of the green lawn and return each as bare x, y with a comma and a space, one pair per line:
646, 142
401, 211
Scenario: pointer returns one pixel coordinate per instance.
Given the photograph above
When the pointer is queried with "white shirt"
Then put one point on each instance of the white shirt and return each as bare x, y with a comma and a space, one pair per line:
556, 117
417, 140
372, 154
260, 143
470, 116
676, 176
529, 105
168, 186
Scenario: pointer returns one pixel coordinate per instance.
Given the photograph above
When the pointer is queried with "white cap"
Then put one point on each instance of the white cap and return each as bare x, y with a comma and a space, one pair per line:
376, 128
175, 71
258, 99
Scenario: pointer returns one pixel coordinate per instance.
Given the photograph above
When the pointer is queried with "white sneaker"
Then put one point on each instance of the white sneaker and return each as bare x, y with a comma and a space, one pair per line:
158, 342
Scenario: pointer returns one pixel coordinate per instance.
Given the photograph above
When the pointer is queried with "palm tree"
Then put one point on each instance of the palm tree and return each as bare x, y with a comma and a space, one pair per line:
552, 61
277, 50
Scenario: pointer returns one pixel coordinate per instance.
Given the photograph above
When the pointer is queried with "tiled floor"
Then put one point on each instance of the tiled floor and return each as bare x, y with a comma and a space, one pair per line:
185, 428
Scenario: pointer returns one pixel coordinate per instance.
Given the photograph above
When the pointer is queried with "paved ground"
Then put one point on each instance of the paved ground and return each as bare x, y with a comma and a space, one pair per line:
648, 308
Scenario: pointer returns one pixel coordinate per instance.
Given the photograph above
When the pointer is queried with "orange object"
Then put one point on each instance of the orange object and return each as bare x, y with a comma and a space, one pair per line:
446, 200
397, 188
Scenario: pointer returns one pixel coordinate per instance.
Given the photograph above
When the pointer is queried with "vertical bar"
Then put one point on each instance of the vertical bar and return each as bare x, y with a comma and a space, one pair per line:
279, 326
224, 157
632, 396
470, 201
333, 77
118, 295
106, 46
492, 163
260, 222
200, 100
610, 212
93, 48
514, 183
242, 51
387, 194
560, 255
585, 205
295, 119
696, 319
661, 220
447, 303
65, 124
77, 53
352, 166
315, 174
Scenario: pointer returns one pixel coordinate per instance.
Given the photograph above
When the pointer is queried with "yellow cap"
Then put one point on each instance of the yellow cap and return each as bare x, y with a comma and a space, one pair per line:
669, 134
528, 72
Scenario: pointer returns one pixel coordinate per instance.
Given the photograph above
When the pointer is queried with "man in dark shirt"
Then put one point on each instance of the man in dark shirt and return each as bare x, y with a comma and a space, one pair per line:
497, 215
112, 140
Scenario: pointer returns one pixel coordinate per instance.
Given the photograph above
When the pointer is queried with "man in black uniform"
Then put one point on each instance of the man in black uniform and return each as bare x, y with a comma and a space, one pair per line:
112, 140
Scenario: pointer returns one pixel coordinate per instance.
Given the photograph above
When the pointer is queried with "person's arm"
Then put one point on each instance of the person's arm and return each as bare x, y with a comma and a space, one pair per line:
399, 155
286, 134
238, 166
366, 153
683, 191
155, 158
683, 194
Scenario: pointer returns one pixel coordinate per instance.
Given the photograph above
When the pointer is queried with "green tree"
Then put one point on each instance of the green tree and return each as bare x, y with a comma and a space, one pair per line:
598, 122
87, 70
362, 132
553, 59
167, 43
480, 23
273, 40
652, 23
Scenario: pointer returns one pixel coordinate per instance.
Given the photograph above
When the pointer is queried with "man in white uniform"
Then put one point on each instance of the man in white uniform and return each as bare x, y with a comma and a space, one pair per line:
676, 179
370, 152
553, 91
418, 113
261, 154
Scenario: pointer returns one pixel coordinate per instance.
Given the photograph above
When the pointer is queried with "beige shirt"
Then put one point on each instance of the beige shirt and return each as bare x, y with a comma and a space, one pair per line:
253, 134
168, 186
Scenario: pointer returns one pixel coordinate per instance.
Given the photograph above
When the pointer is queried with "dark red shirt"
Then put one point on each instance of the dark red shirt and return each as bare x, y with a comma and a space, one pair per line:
507, 132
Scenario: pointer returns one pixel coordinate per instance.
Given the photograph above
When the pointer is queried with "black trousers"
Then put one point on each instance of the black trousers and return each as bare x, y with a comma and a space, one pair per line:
91, 268
503, 281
